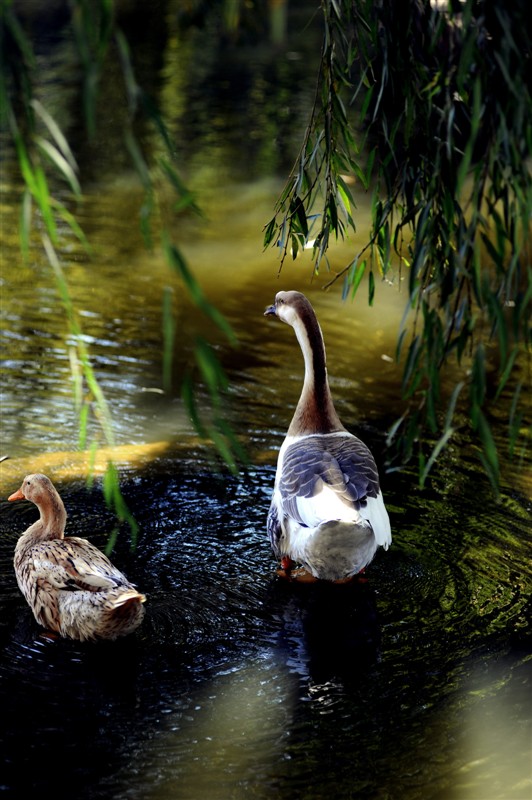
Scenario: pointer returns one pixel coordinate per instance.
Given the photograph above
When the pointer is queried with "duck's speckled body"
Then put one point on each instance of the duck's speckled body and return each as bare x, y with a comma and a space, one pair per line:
327, 512
72, 588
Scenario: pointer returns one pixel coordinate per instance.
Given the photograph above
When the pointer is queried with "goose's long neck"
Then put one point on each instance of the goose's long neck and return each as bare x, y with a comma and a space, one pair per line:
315, 412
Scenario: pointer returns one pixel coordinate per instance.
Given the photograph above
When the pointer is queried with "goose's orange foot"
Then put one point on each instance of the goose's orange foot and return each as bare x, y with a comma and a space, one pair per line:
286, 568
361, 576
301, 575
287, 563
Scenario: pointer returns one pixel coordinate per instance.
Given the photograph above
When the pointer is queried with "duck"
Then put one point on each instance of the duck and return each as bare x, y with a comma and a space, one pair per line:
72, 588
327, 512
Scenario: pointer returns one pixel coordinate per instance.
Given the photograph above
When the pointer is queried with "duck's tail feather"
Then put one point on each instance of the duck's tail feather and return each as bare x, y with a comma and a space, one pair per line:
127, 597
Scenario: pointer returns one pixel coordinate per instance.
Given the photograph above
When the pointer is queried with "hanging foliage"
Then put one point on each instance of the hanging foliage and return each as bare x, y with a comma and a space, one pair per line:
429, 107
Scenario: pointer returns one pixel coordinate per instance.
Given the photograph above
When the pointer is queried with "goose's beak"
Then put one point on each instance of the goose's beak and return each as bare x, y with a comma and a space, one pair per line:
270, 310
16, 495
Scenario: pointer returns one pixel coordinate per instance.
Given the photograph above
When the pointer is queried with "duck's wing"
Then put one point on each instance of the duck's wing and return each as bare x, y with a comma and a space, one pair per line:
74, 564
327, 477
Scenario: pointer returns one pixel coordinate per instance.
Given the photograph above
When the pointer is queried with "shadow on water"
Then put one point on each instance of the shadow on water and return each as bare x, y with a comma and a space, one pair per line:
327, 633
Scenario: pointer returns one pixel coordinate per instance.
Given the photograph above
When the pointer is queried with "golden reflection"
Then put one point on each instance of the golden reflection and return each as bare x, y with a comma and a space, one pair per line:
75, 465
495, 751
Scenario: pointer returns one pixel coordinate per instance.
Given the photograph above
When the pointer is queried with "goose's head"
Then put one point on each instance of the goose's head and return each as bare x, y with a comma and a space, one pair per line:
37, 488
289, 307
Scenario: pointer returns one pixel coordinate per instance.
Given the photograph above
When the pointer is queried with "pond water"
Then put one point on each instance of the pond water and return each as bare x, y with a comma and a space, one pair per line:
411, 684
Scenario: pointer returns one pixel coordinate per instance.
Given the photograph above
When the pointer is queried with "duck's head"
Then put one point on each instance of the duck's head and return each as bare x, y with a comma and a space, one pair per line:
289, 307
34, 487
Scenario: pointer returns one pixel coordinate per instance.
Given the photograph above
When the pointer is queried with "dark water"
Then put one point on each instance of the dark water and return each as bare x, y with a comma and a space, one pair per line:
412, 684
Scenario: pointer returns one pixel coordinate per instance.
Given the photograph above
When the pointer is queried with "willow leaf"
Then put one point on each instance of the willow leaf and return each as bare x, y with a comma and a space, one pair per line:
440, 445
357, 273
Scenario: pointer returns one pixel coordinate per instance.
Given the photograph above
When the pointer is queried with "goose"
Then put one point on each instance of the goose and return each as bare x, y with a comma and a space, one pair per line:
72, 588
327, 512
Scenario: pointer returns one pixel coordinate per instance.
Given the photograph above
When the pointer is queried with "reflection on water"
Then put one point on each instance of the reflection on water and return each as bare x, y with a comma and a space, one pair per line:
120, 311
412, 684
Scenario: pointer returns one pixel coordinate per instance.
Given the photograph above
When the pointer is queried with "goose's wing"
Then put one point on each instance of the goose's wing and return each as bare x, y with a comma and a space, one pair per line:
273, 524
327, 477
74, 564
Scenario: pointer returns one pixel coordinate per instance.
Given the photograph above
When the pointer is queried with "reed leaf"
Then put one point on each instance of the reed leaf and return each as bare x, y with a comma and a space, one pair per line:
179, 264
62, 164
25, 223
169, 328
56, 133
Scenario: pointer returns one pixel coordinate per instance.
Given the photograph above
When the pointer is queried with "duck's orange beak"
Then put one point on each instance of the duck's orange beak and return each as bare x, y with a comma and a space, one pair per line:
16, 495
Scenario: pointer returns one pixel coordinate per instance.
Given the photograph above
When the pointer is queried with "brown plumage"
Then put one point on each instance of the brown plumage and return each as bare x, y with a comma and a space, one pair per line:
72, 588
